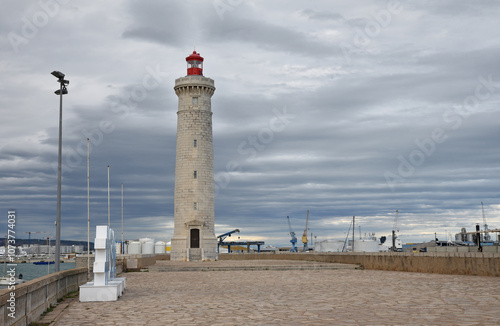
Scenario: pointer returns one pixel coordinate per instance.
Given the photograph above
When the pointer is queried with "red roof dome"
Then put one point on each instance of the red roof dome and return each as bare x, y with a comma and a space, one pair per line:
194, 56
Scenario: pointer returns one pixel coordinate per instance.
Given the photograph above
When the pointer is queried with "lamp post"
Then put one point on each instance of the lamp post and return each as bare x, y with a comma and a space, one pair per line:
61, 91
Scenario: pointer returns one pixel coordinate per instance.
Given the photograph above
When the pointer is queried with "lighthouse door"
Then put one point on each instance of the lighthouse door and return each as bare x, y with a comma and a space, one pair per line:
195, 238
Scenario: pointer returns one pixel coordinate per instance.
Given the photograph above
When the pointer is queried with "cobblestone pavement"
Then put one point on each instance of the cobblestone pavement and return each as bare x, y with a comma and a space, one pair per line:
315, 297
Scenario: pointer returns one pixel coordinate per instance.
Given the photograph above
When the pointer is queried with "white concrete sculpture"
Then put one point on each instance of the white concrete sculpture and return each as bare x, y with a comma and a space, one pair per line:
105, 286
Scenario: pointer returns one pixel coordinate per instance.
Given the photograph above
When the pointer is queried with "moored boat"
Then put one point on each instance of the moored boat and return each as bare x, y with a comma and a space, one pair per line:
43, 262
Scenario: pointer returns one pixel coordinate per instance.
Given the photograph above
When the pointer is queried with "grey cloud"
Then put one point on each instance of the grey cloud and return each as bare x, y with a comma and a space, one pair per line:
165, 24
457, 8
322, 15
271, 37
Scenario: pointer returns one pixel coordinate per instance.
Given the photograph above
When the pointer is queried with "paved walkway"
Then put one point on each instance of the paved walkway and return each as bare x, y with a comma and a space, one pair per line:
295, 297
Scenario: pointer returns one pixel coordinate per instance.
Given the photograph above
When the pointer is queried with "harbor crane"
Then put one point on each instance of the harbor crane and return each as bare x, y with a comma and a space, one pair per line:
486, 234
304, 236
292, 234
394, 228
222, 237
344, 249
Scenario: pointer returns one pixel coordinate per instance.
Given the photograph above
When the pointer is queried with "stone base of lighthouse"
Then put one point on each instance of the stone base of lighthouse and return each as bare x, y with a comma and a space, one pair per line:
182, 252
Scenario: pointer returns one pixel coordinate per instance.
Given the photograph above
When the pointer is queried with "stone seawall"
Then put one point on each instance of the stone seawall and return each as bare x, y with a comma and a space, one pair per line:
33, 297
483, 264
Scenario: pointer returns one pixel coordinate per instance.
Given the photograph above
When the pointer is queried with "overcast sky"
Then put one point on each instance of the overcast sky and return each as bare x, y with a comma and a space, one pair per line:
341, 109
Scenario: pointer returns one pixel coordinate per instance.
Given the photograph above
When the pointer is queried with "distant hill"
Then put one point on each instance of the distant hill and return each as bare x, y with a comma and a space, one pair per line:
20, 242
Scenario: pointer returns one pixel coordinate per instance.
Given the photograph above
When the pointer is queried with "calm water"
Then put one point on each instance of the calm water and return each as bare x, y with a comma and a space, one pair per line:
31, 271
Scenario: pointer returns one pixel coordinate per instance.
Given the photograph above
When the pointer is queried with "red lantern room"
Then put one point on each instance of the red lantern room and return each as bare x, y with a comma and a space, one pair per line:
195, 64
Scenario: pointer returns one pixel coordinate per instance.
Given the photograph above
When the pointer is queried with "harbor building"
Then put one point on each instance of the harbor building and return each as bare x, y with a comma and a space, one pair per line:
194, 237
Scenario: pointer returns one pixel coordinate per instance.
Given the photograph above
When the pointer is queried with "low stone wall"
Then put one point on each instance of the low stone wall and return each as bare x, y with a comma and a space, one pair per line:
36, 296
134, 263
484, 264
162, 256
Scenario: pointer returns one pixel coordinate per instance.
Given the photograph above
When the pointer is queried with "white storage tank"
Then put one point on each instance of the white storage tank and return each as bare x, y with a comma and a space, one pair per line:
134, 247
160, 247
329, 246
366, 246
148, 246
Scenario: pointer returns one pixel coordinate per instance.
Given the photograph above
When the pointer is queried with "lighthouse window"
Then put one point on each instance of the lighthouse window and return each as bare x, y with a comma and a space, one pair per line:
195, 101
194, 206
195, 175
195, 143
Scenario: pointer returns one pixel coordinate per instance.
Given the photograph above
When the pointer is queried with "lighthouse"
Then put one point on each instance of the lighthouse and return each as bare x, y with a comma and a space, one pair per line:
194, 237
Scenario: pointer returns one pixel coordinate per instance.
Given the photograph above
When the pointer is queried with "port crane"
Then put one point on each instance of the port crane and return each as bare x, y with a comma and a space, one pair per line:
347, 235
486, 234
304, 236
292, 234
222, 237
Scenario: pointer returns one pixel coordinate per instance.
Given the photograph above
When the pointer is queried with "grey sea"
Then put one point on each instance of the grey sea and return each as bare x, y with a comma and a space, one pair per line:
31, 271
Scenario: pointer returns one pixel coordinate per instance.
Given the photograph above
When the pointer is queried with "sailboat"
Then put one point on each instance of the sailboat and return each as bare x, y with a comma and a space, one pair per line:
6, 280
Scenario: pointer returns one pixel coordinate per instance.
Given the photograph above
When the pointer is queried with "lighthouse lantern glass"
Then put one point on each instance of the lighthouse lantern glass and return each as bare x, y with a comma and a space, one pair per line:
195, 64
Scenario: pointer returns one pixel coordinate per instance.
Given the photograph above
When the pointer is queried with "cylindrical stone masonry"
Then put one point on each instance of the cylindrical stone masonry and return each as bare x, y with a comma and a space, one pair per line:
194, 237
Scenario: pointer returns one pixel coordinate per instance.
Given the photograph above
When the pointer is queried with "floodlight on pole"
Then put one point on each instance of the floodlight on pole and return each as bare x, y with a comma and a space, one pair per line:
61, 91
58, 74
64, 91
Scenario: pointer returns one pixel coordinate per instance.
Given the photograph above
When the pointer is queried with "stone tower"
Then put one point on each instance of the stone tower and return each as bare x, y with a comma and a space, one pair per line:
194, 237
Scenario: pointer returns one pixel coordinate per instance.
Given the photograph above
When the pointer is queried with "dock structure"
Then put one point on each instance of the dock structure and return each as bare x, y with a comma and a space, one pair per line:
242, 243
484, 231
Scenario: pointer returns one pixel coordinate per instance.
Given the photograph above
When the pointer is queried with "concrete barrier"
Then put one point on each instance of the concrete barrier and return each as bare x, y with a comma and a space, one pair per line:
35, 296
483, 264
